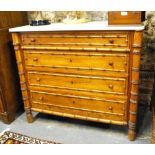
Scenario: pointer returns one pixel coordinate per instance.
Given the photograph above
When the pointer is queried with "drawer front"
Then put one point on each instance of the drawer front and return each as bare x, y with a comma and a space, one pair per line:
90, 61
98, 39
78, 102
106, 85
80, 114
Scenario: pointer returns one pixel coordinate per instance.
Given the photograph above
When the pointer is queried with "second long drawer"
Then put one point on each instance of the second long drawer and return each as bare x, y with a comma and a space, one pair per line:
81, 60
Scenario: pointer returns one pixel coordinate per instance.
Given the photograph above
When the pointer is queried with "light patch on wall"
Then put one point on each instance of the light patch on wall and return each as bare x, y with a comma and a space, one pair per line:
60, 16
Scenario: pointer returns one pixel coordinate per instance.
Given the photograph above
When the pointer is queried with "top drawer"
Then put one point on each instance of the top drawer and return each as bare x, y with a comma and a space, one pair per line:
80, 39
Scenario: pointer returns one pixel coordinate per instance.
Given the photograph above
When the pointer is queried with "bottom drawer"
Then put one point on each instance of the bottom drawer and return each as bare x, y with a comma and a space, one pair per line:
79, 102
105, 108
79, 114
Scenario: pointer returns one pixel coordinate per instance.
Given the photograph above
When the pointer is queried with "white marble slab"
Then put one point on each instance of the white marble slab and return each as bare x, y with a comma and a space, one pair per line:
102, 25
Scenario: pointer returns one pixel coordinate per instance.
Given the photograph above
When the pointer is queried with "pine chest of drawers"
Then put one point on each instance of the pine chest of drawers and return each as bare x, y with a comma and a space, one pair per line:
85, 74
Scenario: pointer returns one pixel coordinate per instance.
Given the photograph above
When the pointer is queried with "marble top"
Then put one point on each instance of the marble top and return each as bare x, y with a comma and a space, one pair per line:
102, 25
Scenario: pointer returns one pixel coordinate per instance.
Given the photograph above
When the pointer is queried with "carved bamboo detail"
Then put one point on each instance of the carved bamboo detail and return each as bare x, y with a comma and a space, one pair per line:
21, 71
89, 36
78, 68
74, 48
136, 49
87, 44
76, 54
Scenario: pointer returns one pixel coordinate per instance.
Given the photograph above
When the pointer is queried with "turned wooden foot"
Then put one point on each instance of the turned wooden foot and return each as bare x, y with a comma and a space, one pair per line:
132, 131
131, 135
29, 115
29, 118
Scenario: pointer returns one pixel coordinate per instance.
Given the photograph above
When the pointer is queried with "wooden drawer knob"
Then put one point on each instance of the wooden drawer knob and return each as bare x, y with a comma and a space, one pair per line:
110, 108
41, 98
111, 63
111, 86
38, 79
125, 63
111, 41
35, 59
33, 40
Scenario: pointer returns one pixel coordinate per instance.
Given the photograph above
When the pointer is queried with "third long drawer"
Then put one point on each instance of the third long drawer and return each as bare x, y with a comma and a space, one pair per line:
109, 85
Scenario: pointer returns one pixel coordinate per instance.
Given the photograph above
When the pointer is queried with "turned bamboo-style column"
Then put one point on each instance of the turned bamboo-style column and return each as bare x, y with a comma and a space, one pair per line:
136, 51
22, 75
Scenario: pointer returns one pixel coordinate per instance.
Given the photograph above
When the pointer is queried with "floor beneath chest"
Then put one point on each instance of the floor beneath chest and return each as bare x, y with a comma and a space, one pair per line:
73, 131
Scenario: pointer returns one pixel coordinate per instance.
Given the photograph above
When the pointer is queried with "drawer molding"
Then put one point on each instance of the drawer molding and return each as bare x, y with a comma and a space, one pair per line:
78, 36
36, 47
88, 44
78, 68
76, 54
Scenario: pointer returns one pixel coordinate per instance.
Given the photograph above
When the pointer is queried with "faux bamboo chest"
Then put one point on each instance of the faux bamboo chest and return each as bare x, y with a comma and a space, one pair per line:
85, 71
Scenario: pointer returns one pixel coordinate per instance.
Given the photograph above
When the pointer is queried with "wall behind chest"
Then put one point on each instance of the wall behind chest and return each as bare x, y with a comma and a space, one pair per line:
148, 58
59, 16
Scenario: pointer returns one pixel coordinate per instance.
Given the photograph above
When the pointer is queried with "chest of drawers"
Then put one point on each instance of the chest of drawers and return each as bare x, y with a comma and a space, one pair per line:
86, 74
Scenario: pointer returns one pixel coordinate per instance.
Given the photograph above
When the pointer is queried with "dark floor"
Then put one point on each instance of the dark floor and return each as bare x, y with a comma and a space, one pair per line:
73, 131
